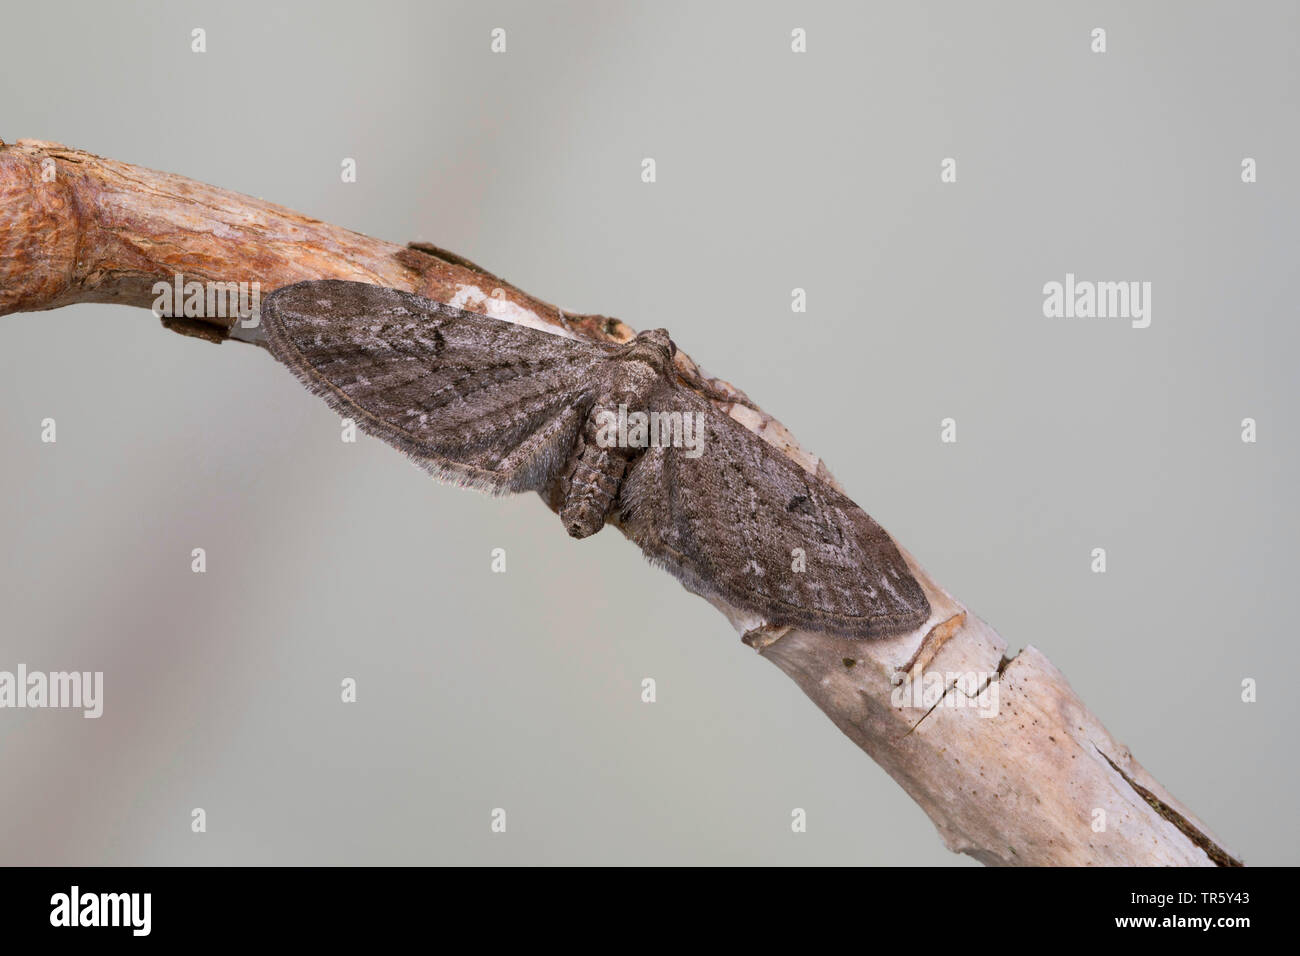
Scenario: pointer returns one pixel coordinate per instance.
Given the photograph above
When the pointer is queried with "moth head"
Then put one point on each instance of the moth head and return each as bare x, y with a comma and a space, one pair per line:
653, 347
659, 337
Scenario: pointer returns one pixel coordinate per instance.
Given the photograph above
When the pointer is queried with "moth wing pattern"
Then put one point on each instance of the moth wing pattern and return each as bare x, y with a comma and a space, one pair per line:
474, 400
729, 521
503, 407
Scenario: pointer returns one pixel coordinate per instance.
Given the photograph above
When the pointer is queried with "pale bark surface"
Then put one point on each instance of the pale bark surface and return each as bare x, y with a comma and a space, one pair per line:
1021, 788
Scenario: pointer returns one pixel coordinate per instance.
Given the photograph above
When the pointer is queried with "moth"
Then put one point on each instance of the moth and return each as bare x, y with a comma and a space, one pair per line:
505, 408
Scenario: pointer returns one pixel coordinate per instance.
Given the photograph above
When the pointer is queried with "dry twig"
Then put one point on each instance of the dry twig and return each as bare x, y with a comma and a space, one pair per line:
1020, 789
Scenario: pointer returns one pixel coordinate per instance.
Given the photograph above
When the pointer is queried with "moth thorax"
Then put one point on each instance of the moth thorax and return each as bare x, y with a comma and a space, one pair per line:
590, 489
653, 348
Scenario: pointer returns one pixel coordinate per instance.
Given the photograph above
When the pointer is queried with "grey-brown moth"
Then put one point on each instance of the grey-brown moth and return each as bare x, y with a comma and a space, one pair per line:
604, 432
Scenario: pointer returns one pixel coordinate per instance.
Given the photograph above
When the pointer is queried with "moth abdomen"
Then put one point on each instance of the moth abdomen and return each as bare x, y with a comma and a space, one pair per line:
591, 488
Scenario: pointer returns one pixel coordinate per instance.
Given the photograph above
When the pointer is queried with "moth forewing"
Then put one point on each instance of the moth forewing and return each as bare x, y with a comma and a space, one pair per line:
602, 432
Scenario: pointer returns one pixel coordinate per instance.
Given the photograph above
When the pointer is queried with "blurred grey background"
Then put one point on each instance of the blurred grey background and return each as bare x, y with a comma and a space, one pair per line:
775, 171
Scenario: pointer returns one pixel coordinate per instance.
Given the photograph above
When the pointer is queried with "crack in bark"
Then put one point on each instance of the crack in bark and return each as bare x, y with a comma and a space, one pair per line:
946, 691
1216, 853
996, 675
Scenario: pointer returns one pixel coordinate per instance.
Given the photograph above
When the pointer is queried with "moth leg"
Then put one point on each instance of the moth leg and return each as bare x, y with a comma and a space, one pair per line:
592, 478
